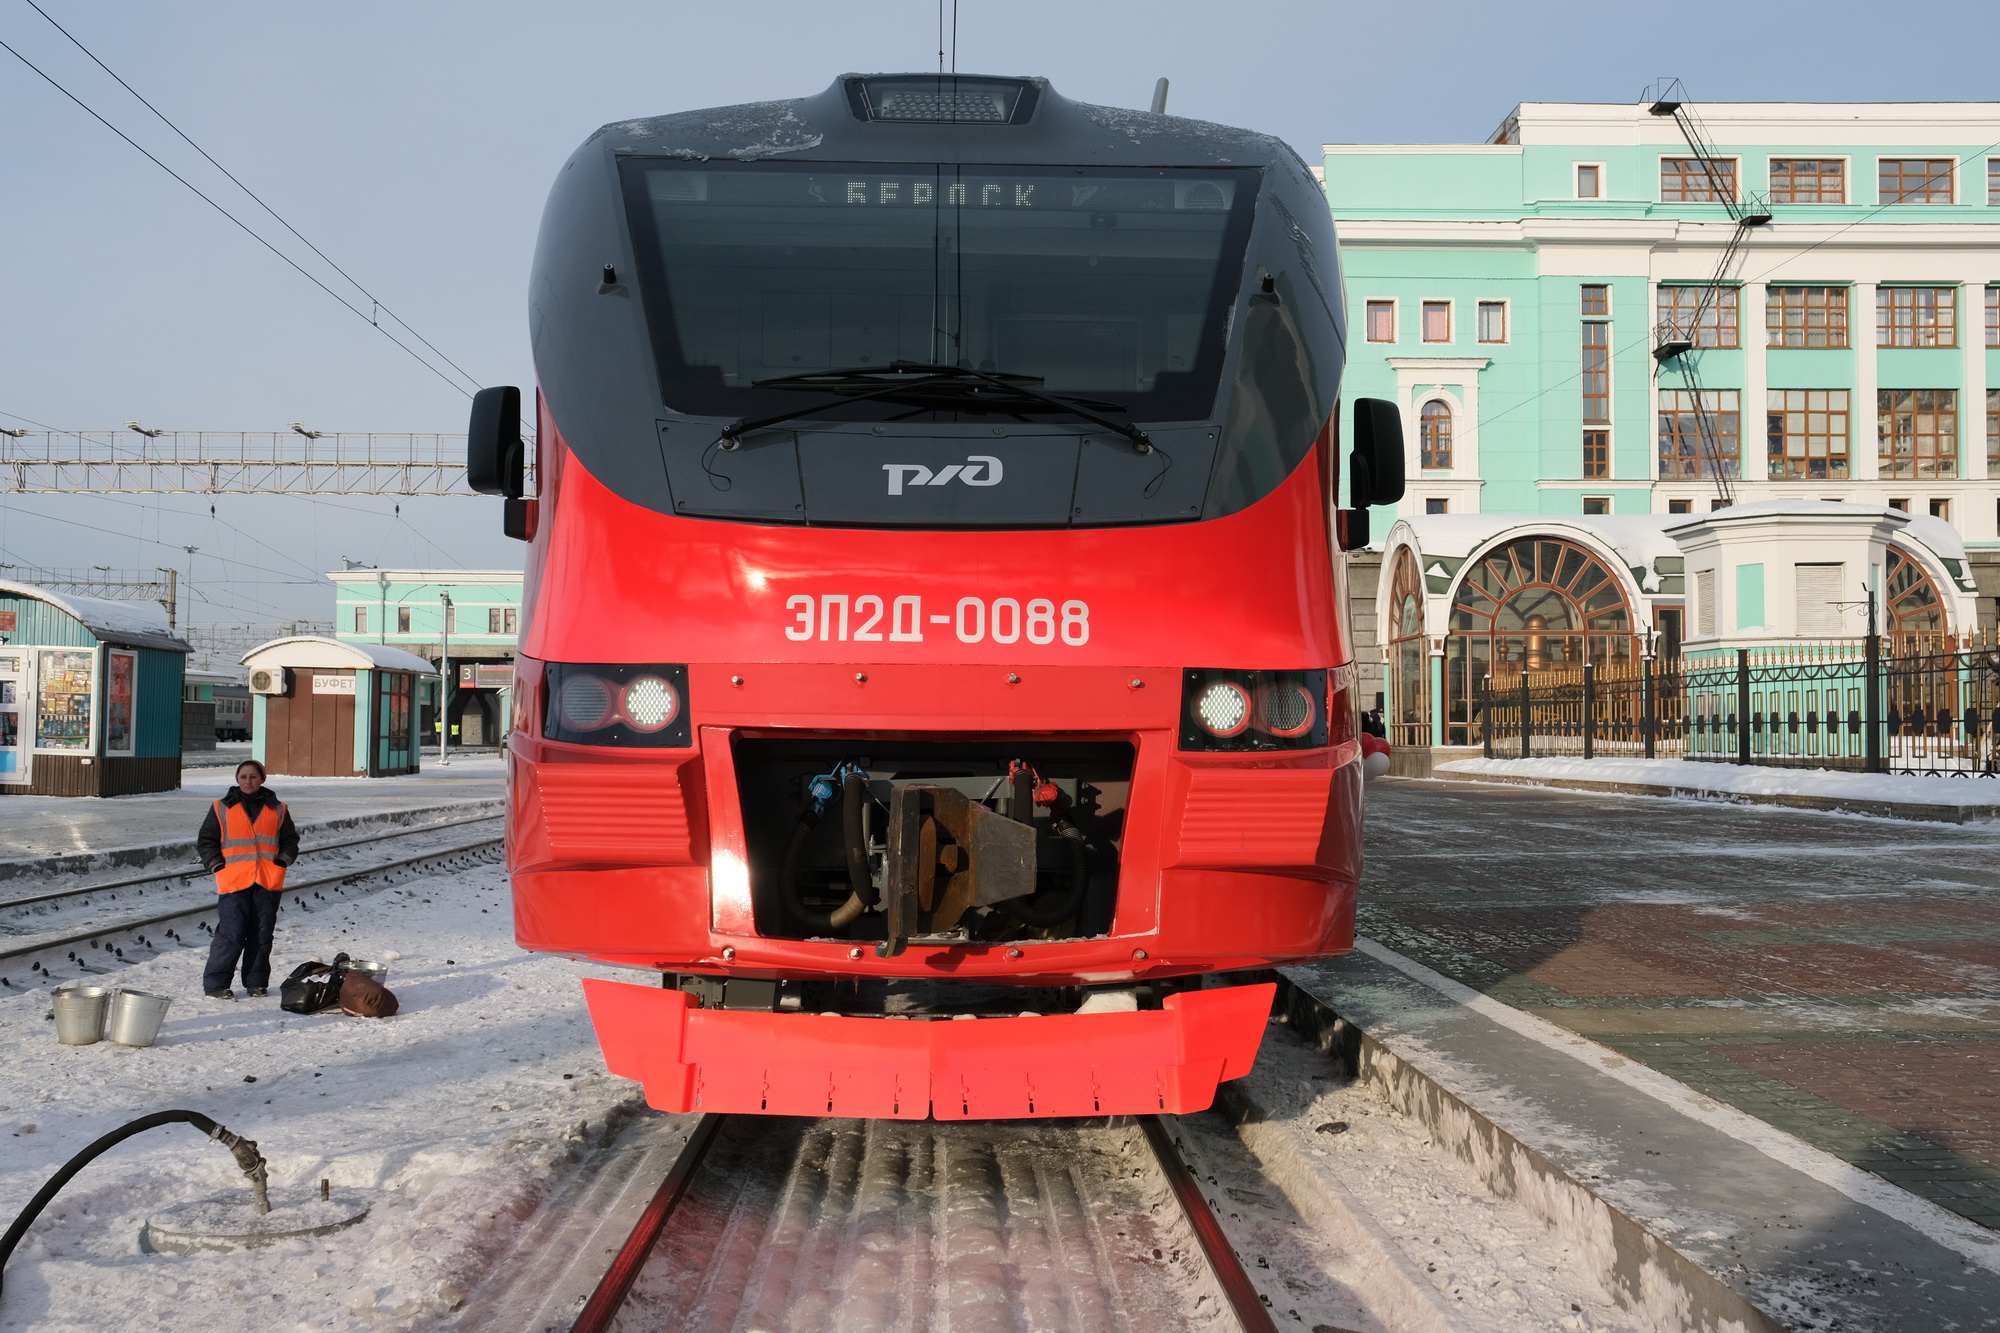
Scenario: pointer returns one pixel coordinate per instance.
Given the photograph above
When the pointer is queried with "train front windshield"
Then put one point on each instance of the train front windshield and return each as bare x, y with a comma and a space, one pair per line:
1108, 284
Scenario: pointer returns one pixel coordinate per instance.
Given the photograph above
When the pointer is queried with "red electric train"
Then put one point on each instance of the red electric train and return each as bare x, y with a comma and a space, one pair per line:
935, 602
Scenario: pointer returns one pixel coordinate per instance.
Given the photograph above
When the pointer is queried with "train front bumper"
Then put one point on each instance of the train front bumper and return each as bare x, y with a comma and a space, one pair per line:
1144, 1062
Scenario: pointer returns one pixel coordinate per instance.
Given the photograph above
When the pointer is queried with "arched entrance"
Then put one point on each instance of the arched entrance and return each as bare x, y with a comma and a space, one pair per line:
1913, 610
1531, 604
1409, 710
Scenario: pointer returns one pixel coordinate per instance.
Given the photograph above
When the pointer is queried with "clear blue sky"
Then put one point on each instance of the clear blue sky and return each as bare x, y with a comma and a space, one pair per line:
414, 142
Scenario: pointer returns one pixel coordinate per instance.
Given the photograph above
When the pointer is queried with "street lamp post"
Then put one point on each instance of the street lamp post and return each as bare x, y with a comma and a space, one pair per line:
444, 681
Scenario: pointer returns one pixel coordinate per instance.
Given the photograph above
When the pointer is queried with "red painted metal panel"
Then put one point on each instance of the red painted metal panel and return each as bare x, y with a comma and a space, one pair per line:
1254, 816
614, 814
1168, 1059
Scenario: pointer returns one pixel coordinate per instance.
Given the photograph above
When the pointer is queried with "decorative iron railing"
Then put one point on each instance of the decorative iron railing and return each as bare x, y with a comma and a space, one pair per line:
1905, 704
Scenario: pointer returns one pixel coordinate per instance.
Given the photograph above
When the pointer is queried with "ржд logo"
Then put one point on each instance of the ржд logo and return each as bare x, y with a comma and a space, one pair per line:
976, 470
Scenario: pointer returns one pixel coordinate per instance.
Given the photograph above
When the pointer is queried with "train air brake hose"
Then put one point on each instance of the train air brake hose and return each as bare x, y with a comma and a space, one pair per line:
246, 1153
1052, 908
788, 882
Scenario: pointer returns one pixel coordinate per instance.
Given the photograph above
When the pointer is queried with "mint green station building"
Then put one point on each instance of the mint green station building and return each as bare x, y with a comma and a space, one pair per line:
469, 616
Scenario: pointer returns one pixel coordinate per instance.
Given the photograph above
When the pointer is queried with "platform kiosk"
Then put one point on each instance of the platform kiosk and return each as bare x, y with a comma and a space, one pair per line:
324, 707
90, 695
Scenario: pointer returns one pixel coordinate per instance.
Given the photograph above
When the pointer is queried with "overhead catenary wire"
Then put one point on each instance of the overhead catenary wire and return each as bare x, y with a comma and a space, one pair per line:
234, 180
247, 230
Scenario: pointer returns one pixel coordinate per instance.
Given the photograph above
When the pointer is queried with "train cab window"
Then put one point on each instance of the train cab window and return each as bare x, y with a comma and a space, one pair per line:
1107, 282
1112, 287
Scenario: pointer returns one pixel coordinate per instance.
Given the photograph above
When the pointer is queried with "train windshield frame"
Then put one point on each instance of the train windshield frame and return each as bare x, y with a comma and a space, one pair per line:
1112, 285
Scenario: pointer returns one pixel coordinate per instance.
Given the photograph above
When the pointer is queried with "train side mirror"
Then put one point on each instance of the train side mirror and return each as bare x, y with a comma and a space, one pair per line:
1375, 469
495, 457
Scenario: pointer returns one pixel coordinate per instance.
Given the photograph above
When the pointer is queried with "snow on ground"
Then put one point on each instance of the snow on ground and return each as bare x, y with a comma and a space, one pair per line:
37, 826
1687, 776
458, 1115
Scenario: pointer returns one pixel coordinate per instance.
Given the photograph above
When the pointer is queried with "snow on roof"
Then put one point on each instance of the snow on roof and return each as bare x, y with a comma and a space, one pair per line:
127, 624
315, 650
1637, 539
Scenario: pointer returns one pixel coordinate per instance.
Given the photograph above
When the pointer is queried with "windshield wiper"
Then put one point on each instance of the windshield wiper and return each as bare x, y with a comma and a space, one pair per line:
920, 385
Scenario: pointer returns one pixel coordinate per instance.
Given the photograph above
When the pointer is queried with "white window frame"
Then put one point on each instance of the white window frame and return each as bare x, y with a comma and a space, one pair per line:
1957, 171
1450, 321
1846, 187
1603, 180
1506, 322
1659, 173
104, 691
1442, 501
1395, 320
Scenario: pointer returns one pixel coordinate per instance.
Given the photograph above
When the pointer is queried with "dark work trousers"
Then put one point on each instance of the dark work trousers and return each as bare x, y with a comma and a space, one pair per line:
244, 923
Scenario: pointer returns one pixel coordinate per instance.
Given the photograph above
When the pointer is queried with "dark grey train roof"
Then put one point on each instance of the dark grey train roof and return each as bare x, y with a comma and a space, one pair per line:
824, 127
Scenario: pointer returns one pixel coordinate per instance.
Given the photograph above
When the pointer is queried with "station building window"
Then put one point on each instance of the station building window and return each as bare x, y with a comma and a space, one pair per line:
1913, 608
1493, 321
1532, 604
1434, 435
1993, 434
402, 620
1409, 711
1805, 316
1596, 453
1704, 315
1916, 432
1680, 506
1992, 181
1699, 434
1808, 180
1915, 180
1381, 321
1596, 504
360, 620
1437, 505
1589, 180
1916, 316
1993, 313
1806, 434
1437, 321
1941, 509
1697, 180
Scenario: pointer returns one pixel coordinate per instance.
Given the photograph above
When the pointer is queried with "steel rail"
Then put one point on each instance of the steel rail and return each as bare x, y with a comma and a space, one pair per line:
1243, 1299
43, 943
616, 1284
190, 872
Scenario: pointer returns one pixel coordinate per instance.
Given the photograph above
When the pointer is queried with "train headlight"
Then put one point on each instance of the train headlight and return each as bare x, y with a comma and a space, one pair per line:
1222, 708
1285, 708
631, 705
1231, 710
585, 702
649, 703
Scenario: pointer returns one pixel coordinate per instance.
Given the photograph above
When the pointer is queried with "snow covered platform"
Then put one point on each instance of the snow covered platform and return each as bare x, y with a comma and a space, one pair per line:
454, 1120
1645, 1171
1949, 800
51, 834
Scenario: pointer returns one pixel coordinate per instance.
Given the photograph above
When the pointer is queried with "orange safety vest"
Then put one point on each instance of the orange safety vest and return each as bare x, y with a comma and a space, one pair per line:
249, 848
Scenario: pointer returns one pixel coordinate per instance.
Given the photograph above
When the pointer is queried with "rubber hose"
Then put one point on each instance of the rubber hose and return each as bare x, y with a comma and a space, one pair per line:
788, 884
1049, 909
854, 825
246, 1152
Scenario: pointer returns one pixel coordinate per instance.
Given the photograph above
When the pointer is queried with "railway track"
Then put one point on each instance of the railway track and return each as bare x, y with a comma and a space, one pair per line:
1096, 1225
77, 930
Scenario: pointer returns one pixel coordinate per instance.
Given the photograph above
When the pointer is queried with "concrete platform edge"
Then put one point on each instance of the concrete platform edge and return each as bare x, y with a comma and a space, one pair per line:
1922, 813
1647, 1272
139, 857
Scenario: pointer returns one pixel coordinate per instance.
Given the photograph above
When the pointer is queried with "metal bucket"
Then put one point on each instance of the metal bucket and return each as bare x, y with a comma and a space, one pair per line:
374, 971
136, 1016
80, 1014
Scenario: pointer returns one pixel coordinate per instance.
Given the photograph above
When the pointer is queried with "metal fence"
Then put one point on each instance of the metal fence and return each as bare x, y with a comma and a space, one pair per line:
1627, 710
1875, 704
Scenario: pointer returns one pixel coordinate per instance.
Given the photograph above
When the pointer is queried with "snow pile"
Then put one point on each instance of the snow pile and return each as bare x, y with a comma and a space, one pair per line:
457, 1115
1682, 776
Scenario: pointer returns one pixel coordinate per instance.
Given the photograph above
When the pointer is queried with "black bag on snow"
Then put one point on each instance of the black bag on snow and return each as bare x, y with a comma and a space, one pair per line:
313, 986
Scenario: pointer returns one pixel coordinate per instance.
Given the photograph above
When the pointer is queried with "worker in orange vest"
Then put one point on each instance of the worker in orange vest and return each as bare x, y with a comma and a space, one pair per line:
246, 842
